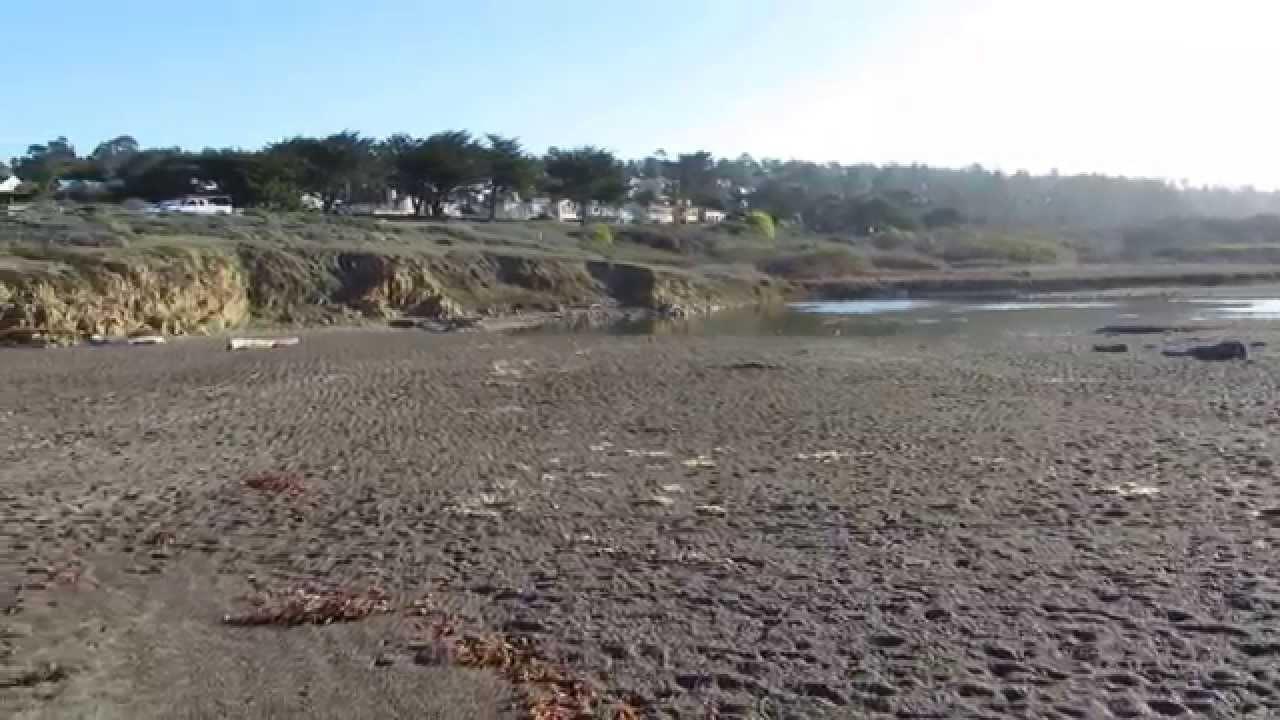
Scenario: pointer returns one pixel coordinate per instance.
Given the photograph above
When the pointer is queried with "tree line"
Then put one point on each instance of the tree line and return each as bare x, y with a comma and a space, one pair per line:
432, 171
345, 167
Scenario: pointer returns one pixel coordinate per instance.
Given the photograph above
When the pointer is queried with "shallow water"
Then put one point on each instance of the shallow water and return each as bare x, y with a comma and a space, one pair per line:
934, 317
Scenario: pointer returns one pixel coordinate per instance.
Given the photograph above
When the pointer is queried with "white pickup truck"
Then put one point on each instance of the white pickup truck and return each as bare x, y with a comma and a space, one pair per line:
193, 205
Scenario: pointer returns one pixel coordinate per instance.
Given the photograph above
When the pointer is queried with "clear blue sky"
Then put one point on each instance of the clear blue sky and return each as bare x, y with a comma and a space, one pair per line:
1137, 87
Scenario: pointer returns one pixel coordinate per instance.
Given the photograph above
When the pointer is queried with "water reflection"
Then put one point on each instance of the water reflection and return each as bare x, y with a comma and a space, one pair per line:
861, 307
1041, 316
1031, 305
1266, 309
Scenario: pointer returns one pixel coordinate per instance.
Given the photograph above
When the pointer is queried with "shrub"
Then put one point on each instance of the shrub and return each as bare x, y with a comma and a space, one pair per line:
595, 237
816, 265
599, 237
998, 248
761, 223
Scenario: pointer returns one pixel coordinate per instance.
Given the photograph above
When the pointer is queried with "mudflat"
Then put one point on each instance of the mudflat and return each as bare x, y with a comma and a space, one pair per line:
694, 527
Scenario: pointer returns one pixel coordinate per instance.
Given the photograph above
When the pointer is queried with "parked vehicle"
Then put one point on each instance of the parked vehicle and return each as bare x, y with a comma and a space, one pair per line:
197, 205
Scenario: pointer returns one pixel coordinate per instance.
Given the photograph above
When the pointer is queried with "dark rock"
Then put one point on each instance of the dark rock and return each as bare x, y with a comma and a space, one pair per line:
1259, 689
1202, 695
525, 625
876, 703
1224, 679
1111, 348
887, 641
1167, 708
617, 651
1000, 651
975, 690
731, 682
384, 660
1123, 707
937, 614
753, 365
1257, 344
825, 692
1214, 629
693, 681
1006, 668
1146, 329
875, 687
1229, 350
1086, 635
1014, 694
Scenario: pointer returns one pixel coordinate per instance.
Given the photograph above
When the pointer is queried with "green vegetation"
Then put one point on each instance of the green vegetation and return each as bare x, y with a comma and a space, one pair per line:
432, 171
761, 223
599, 237
798, 221
511, 170
1117, 217
586, 175
968, 247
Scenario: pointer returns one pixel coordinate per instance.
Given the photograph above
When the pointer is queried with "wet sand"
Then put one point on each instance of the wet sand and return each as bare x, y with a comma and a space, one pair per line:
715, 527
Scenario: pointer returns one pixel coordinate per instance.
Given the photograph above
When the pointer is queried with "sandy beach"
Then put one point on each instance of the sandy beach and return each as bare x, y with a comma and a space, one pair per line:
690, 527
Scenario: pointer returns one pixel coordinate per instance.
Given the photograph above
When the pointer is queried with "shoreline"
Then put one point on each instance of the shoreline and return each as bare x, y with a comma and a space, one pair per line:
1002, 285
1099, 281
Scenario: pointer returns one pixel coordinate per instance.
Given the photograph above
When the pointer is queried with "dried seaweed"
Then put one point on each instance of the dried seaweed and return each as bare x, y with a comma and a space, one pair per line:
311, 606
276, 483
551, 692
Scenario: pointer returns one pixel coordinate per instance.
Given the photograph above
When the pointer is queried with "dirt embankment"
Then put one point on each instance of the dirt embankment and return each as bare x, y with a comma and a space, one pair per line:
70, 296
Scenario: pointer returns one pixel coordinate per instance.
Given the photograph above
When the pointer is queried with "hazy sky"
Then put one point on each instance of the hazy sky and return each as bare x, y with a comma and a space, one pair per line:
1168, 88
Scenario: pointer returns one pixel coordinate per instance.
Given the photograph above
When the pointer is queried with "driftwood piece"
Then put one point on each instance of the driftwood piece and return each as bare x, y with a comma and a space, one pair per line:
261, 343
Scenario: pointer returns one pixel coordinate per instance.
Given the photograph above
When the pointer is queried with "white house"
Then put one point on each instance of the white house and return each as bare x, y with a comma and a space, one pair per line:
606, 213
659, 186
662, 214
392, 204
564, 211
14, 194
713, 217
514, 209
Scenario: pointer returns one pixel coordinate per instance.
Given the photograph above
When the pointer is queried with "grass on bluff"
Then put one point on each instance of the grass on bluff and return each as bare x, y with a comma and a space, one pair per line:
63, 233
